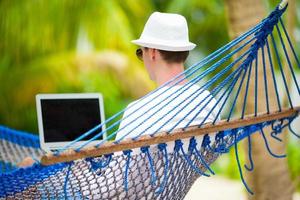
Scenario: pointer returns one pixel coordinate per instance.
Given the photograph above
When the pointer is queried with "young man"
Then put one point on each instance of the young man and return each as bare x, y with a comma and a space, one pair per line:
164, 47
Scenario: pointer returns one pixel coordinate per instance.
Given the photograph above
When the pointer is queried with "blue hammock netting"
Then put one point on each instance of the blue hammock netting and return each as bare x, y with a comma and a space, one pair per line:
159, 153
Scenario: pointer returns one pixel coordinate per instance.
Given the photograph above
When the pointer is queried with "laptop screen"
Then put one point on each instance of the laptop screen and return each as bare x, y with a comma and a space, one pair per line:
64, 120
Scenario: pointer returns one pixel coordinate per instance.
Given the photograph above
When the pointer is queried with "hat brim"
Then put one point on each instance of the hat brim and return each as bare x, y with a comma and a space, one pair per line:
163, 45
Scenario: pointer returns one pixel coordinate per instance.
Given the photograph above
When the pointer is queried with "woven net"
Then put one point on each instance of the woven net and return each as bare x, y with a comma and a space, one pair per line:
99, 178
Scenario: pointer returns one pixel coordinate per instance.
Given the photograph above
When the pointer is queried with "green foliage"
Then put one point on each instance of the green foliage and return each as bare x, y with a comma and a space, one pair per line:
293, 161
65, 73
41, 49
37, 55
227, 164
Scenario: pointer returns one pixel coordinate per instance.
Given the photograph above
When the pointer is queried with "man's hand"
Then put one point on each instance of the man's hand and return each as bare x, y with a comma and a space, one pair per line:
26, 162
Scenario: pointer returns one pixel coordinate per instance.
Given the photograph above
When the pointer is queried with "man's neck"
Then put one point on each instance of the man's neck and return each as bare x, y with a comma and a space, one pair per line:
167, 71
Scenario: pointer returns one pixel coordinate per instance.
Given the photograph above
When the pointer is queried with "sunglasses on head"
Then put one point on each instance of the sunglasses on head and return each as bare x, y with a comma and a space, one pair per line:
139, 53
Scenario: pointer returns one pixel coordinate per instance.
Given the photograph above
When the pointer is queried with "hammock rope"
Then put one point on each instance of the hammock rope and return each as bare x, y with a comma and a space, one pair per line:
169, 151
239, 164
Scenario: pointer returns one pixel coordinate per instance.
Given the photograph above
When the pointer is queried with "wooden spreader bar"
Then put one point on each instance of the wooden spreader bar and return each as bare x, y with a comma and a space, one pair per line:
163, 137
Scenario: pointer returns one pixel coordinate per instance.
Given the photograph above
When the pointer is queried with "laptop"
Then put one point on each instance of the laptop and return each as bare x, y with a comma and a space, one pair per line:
64, 117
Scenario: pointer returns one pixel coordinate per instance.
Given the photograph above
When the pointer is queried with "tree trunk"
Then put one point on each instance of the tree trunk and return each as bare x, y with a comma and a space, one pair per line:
270, 178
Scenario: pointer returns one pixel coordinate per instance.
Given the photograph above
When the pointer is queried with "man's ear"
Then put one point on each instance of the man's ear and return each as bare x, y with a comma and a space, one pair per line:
153, 53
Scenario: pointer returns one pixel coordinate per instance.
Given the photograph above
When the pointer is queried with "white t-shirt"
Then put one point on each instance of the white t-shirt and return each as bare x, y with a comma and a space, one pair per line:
169, 110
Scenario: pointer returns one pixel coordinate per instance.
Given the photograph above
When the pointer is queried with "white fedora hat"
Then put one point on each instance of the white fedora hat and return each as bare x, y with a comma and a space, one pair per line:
165, 31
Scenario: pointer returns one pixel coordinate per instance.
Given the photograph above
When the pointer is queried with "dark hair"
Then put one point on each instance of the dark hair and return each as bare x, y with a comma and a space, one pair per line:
174, 56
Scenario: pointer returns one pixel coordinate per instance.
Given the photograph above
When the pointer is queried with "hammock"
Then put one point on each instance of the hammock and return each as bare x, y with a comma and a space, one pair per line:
163, 159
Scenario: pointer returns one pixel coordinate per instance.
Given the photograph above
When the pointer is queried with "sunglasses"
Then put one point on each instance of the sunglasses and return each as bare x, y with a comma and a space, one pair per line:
139, 53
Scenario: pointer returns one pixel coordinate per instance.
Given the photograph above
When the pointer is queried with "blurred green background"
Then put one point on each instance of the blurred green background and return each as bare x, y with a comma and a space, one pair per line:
84, 46
69, 46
